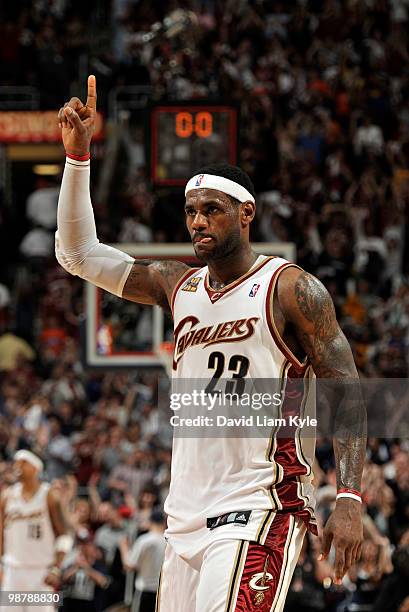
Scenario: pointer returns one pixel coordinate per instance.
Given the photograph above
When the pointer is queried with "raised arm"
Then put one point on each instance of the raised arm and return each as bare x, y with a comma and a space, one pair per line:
306, 305
77, 247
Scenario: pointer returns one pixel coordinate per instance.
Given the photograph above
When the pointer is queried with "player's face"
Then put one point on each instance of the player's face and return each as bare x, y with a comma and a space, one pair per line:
213, 222
24, 470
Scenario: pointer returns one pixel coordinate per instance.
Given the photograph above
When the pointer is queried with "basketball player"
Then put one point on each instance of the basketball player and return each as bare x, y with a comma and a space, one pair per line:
237, 510
34, 539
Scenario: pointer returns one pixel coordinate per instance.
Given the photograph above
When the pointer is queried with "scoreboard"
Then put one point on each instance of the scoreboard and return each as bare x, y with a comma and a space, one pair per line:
186, 136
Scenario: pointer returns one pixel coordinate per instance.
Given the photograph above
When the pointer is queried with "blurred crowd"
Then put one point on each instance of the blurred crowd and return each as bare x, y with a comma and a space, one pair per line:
323, 89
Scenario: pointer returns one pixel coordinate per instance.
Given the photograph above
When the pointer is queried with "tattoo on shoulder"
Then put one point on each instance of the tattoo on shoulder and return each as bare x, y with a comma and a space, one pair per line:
316, 305
169, 272
325, 344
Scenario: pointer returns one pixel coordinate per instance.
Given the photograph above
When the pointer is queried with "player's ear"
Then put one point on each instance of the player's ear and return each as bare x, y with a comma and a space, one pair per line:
247, 213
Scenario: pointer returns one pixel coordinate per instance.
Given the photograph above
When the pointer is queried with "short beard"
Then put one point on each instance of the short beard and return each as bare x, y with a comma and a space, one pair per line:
230, 244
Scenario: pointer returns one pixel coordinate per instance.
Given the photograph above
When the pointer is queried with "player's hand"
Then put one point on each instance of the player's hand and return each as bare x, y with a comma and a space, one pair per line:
343, 529
52, 580
81, 561
78, 121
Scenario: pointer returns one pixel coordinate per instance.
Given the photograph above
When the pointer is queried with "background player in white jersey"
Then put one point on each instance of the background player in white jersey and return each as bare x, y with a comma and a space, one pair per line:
33, 536
237, 513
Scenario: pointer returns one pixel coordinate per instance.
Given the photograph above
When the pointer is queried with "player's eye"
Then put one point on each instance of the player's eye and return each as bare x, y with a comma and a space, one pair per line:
212, 210
190, 212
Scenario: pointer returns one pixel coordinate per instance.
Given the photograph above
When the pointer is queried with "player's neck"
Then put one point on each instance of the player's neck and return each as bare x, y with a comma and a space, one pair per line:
224, 271
30, 488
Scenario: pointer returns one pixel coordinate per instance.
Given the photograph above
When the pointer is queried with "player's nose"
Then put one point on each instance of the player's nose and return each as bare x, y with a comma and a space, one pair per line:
199, 222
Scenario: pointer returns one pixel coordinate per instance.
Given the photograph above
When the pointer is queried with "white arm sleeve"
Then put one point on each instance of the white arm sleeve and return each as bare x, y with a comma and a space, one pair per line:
77, 247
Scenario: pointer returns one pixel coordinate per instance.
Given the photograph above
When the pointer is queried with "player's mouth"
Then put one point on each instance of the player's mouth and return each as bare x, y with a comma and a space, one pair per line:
200, 239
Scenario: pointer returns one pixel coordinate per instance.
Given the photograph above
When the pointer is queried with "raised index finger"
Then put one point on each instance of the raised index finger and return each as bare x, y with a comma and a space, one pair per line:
92, 92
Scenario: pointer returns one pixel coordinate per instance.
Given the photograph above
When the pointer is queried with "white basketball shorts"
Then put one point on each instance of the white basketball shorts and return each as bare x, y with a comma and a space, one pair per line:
26, 579
233, 575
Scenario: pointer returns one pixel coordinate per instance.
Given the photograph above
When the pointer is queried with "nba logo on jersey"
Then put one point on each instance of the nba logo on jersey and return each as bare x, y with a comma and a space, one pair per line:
254, 290
199, 180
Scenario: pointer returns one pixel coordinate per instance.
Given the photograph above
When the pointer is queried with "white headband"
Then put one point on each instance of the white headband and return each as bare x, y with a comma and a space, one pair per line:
30, 457
211, 181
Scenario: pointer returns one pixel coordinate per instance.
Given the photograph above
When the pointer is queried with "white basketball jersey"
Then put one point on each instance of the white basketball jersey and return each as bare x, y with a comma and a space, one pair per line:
231, 334
28, 532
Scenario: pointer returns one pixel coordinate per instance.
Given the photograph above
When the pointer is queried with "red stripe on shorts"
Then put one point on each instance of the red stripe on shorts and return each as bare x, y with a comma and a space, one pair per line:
261, 573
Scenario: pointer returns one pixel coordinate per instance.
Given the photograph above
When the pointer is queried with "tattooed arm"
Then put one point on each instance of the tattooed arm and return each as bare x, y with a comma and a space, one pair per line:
306, 305
152, 282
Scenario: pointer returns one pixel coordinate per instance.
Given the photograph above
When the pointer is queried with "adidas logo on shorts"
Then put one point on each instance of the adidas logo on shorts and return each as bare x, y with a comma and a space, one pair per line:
238, 518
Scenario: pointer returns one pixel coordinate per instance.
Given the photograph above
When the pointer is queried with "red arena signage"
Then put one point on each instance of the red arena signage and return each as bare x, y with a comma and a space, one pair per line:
36, 126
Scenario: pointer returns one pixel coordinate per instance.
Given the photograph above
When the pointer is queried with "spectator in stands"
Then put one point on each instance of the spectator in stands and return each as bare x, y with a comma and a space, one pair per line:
111, 531
108, 537
394, 592
14, 350
368, 138
130, 476
84, 577
59, 450
146, 557
41, 205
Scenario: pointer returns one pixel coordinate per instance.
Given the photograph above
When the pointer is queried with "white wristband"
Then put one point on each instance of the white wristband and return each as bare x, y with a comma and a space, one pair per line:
64, 543
350, 495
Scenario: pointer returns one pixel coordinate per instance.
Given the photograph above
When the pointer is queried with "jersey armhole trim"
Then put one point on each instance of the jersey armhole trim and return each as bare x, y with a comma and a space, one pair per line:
288, 354
180, 282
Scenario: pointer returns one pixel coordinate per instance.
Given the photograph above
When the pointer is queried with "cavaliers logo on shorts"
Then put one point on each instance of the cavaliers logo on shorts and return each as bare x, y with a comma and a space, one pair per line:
259, 584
